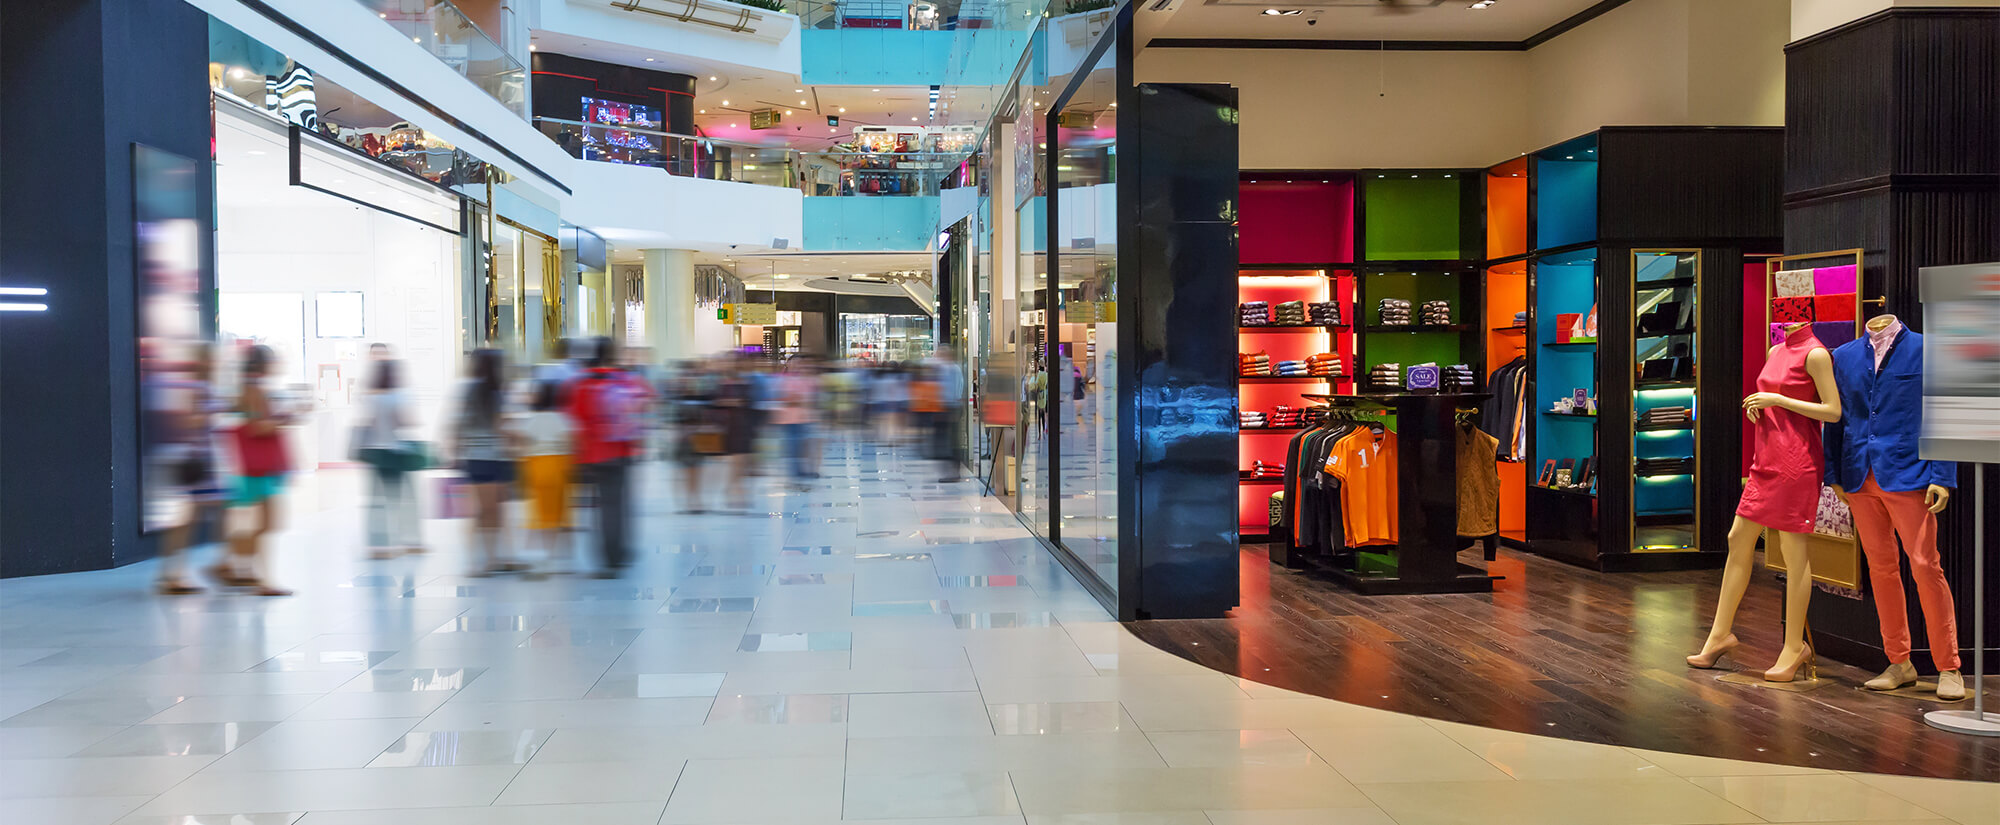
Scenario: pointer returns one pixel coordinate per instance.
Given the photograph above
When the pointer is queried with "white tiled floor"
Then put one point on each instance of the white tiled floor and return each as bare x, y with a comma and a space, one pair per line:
756, 670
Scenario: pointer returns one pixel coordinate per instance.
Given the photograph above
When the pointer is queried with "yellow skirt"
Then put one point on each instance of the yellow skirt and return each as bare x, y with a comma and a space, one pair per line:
547, 478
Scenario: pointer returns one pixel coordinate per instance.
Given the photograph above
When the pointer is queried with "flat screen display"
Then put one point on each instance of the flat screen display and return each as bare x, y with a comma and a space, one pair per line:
167, 235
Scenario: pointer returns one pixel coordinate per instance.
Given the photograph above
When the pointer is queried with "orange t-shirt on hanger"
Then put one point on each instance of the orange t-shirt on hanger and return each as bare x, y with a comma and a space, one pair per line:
1366, 467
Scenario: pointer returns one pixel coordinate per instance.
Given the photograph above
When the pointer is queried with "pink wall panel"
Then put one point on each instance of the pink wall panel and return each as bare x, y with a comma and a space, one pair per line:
1296, 221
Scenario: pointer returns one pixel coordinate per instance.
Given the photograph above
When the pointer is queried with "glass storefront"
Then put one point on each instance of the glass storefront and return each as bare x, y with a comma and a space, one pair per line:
1085, 158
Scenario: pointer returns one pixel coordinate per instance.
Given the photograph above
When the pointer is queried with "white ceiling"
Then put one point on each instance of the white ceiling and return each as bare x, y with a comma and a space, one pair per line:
813, 270
1511, 20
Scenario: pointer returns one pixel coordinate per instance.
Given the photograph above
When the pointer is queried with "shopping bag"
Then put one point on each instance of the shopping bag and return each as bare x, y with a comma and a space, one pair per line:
452, 499
258, 456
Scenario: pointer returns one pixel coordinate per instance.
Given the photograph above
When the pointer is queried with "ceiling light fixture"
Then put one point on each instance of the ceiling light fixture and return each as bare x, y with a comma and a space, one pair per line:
712, 78
843, 110
725, 103
649, 60
1283, 12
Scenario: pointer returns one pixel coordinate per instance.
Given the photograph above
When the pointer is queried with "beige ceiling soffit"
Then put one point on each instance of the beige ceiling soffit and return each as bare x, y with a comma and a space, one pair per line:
720, 15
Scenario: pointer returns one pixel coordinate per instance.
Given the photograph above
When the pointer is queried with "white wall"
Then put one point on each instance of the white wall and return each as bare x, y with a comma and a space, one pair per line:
1348, 110
644, 207
1810, 17
1646, 63
599, 22
1663, 63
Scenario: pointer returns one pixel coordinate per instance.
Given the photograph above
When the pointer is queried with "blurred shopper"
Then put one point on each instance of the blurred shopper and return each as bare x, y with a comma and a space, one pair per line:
379, 443
944, 372
608, 406
261, 464
480, 443
798, 401
764, 400
889, 394
697, 433
195, 483
736, 414
547, 444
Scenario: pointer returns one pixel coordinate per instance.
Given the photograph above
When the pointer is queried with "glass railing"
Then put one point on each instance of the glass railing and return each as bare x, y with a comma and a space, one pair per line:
817, 174
874, 173
445, 31
687, 156
918, 15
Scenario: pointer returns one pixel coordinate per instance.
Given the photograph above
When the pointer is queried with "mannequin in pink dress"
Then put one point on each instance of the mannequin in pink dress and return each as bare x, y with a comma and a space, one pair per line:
1795, 394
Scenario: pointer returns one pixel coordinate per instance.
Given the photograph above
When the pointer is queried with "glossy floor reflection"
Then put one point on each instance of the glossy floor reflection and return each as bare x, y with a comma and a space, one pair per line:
1561, 651
880, 648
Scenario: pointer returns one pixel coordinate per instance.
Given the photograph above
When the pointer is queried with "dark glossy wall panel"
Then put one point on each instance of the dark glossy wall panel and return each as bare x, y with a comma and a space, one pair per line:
1675, 183
112, 74
561, 82
1177, 369
1839, 111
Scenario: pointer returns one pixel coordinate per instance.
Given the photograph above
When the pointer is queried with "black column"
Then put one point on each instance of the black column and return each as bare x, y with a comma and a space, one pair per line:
1893, 146
1177, 521
83, 81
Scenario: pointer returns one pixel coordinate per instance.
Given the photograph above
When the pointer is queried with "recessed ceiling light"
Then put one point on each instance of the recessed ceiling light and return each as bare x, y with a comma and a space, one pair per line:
800, 91
725, 103
803, 103
704, 111
843, 110
788, 113
1283, 12
874, 90
913, 117
712, 78
649, 60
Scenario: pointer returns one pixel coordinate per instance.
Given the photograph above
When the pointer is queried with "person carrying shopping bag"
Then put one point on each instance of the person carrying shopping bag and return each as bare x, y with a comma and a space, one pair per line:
547, 445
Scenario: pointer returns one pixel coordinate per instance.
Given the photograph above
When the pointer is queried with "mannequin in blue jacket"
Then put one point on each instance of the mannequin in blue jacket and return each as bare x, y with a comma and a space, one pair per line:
1872, 463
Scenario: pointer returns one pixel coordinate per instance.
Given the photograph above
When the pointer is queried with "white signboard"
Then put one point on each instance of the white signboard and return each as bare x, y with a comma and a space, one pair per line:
1961, 362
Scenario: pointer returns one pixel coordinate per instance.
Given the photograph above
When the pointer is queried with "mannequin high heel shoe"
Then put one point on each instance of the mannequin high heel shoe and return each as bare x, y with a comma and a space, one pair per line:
1805, 663
1708, 659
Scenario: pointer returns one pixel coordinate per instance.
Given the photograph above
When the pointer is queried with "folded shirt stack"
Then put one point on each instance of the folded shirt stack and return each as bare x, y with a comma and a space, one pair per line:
1662, 466
1436, 312
1290, 369
1283, 416
1250, 419
1457, 377
1324, 312
1325, 364
1395, 312
1253, 363
1387, 376
1666, 416
1314, 416
1290, 314
1253, 314
1261, 469
1521, 318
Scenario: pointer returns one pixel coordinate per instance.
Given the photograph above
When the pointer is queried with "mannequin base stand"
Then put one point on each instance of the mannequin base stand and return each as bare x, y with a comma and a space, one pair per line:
1969, 722
1757, 680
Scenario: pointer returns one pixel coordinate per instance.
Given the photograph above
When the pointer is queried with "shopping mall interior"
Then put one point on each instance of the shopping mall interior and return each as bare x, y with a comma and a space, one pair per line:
734, 412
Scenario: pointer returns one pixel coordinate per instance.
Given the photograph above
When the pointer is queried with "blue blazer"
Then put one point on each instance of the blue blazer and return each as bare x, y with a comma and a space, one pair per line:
1881, 415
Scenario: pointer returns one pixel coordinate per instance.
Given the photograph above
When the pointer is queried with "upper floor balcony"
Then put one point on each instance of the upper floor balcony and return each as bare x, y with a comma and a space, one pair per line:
447, 32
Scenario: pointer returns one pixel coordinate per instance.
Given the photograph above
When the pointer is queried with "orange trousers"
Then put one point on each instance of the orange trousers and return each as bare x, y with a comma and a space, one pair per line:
1880, 517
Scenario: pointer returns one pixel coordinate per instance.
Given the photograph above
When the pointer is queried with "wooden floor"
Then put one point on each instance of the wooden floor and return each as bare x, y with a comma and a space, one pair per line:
1562, 651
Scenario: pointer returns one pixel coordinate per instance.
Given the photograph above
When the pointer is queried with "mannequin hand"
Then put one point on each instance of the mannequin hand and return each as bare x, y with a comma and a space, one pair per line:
1760, 400
1935, 498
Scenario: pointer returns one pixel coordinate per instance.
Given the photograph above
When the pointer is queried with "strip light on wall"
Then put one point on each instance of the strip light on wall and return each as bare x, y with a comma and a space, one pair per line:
22, 306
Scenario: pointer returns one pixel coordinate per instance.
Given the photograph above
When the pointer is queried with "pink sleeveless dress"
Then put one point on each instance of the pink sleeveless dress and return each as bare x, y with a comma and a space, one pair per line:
1786, 462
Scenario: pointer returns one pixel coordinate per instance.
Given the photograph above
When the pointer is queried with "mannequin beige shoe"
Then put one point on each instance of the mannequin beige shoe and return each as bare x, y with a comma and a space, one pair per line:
1899, 674
1951, 686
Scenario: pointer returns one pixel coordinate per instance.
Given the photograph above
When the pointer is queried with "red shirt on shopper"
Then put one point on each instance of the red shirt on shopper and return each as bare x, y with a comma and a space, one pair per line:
609, 407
